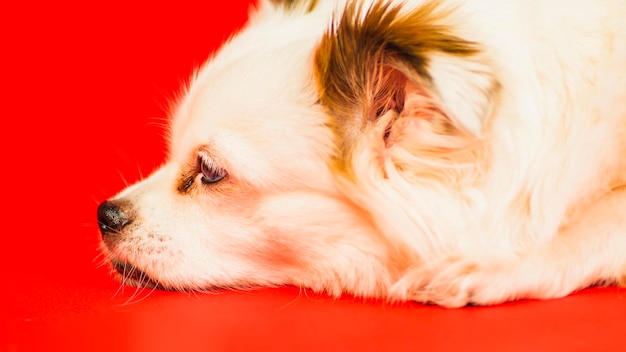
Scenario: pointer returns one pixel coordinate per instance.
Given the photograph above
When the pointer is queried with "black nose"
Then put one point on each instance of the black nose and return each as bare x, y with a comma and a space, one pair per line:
111, 218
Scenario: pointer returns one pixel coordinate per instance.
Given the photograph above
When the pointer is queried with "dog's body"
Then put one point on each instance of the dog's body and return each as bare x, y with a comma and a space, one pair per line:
452, 152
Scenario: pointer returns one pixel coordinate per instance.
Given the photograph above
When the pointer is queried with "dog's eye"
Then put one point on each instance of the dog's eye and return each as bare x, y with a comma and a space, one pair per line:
211, 173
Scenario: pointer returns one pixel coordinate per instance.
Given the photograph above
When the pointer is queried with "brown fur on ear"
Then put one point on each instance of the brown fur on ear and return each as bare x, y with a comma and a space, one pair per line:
369, 56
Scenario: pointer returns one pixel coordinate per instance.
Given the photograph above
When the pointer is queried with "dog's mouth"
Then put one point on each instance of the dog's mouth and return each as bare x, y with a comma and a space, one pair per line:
131, 276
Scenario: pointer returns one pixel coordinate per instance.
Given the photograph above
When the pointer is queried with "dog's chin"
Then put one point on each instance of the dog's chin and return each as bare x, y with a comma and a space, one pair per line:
130, 275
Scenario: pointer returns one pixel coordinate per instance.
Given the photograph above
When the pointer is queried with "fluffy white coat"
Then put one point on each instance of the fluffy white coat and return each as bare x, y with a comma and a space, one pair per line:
524, 201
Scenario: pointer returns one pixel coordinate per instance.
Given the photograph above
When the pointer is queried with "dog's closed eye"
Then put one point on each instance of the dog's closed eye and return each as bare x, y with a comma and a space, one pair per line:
210, 171
206, 171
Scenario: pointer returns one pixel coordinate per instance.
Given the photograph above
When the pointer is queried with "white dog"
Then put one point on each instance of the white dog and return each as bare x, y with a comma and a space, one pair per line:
445, 151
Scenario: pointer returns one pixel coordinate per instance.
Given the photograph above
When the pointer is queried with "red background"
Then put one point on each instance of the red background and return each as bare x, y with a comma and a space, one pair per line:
85, 91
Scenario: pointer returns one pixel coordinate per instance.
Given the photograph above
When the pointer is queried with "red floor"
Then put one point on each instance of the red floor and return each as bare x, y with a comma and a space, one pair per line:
85, 91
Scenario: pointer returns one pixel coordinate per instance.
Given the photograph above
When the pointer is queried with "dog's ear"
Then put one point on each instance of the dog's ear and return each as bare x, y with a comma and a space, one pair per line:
380, 61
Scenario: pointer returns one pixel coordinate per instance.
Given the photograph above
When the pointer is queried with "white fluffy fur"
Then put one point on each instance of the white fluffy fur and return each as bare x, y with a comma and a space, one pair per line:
535, 211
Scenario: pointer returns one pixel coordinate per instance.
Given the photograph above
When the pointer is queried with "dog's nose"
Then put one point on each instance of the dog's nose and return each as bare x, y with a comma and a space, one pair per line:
111, 218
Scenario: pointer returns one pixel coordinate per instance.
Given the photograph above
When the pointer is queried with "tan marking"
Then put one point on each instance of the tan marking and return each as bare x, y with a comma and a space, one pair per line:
188, 173
291, 5
364, 59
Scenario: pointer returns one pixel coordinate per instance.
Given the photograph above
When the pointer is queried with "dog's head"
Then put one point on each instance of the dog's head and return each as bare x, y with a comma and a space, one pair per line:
288, 147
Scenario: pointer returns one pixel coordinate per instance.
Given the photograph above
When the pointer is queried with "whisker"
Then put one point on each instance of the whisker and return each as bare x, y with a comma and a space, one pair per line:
139, 171
136, 297
126, 184
95, 199
138, 289
101, 257
120, 289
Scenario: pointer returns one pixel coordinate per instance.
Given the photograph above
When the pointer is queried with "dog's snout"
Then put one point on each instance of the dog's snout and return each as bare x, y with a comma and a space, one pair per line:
112, 218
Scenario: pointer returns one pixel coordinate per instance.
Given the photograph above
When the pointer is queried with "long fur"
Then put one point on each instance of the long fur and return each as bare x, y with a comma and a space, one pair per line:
445, 151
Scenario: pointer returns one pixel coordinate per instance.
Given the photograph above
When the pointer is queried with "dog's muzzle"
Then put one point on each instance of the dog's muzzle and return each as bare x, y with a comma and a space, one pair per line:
113, 217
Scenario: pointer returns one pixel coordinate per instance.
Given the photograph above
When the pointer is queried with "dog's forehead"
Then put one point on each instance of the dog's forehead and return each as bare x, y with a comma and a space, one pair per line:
258, 83
247, 100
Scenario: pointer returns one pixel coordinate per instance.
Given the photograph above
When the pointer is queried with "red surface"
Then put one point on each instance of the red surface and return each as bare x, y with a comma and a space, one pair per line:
85, 92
